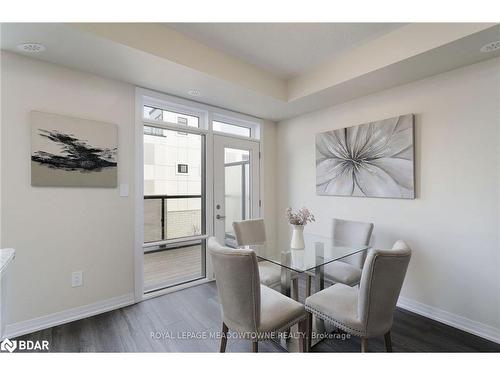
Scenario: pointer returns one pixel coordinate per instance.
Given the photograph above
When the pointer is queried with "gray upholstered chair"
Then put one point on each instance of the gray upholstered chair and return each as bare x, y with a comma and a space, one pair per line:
368, 311
251, 232
249, 308
348, 270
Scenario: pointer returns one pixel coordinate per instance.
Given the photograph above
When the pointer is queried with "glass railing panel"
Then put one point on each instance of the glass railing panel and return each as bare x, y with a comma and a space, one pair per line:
183, 217
152, 220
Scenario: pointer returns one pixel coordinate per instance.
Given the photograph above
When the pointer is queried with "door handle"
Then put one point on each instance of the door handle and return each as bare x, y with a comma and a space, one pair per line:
219, 217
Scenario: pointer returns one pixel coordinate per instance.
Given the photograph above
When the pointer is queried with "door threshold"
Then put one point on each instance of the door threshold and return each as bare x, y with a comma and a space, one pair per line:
174, 288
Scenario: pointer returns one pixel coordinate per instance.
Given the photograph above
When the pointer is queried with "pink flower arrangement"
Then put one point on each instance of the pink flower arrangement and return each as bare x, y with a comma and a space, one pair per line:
301, 217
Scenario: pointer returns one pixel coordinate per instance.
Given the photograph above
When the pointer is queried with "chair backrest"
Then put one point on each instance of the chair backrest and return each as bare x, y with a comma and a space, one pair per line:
238, 284
353, 233
249, 232
381, 282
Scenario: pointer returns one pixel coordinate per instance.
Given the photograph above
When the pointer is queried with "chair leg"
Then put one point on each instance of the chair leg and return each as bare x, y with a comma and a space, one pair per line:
295, 286
309, 321
255, 346
223, 339
388, 342
303, 335
364, 345
308, 285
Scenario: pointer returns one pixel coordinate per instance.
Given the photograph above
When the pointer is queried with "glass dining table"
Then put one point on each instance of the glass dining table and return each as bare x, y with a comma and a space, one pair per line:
318, 251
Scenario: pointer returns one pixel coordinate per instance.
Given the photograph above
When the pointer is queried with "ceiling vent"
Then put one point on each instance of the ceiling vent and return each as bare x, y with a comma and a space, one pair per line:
31, 47
490, 47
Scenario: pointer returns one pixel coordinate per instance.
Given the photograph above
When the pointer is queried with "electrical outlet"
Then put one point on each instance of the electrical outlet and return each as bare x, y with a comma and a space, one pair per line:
77, 279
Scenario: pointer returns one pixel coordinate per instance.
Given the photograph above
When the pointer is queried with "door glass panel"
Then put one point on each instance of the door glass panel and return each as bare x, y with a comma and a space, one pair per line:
237, 190
173, 207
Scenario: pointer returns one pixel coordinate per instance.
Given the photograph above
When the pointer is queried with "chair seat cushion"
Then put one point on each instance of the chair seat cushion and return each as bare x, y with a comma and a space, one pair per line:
270, 274
337, 304
278, 312
342, 272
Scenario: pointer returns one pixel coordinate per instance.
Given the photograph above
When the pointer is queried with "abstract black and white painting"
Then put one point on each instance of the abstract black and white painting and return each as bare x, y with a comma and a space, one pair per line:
72, 152
369, 160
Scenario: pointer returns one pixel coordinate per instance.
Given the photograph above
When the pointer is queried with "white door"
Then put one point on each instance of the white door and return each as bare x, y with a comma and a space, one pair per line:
236, 185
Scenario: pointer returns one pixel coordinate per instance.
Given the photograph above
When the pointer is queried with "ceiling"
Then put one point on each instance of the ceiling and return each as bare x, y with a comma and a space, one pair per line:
161, 58
284, 49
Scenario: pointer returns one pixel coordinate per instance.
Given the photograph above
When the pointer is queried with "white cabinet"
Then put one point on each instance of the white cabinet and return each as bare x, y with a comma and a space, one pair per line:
6, 256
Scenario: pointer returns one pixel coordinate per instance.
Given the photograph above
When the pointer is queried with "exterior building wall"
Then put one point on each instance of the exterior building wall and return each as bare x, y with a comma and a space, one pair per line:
183, 223
162, 154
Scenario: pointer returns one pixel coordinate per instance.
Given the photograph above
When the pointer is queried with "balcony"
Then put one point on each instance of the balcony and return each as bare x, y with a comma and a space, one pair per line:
173, 217
173, 266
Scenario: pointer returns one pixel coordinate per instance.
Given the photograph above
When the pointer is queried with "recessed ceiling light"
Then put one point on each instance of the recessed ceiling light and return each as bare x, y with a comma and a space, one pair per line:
194, 92
31, 47
490, 47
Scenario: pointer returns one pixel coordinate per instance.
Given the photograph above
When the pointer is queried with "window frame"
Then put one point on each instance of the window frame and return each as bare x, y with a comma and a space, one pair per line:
206, 115
240, 121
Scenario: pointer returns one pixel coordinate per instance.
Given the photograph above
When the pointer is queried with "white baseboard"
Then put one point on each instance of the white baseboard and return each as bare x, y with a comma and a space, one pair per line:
66, 316
445, 317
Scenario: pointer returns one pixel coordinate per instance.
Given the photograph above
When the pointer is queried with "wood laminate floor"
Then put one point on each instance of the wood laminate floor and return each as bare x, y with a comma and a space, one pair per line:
189, 321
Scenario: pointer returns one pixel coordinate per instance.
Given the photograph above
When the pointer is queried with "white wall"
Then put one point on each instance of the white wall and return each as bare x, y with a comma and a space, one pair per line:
453, 224
268, 178
59, 230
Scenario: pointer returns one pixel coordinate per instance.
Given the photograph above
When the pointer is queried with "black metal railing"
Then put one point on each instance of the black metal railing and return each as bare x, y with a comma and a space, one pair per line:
163, 199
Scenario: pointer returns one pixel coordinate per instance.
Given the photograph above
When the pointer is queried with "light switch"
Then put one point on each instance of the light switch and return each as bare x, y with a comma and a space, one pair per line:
77, 279
123, 190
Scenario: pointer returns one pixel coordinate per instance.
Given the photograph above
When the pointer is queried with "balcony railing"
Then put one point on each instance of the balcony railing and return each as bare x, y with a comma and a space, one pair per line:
172, 216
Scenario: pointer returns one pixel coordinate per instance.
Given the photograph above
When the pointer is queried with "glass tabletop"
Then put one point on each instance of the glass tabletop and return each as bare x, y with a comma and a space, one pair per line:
318, 251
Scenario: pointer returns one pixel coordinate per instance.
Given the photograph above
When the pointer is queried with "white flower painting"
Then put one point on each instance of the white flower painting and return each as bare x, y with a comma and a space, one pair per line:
368, 160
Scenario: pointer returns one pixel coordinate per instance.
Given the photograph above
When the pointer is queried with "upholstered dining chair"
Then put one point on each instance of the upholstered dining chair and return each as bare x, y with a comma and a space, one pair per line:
251, 232
368, 311
249, 308
348, 270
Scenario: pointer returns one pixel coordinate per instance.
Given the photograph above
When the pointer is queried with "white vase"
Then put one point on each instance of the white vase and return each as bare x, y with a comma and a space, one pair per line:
298, 237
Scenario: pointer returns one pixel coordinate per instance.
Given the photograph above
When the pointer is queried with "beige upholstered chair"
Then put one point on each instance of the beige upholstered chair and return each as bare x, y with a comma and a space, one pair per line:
367, 311
253, 310
251, 232
348, 270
